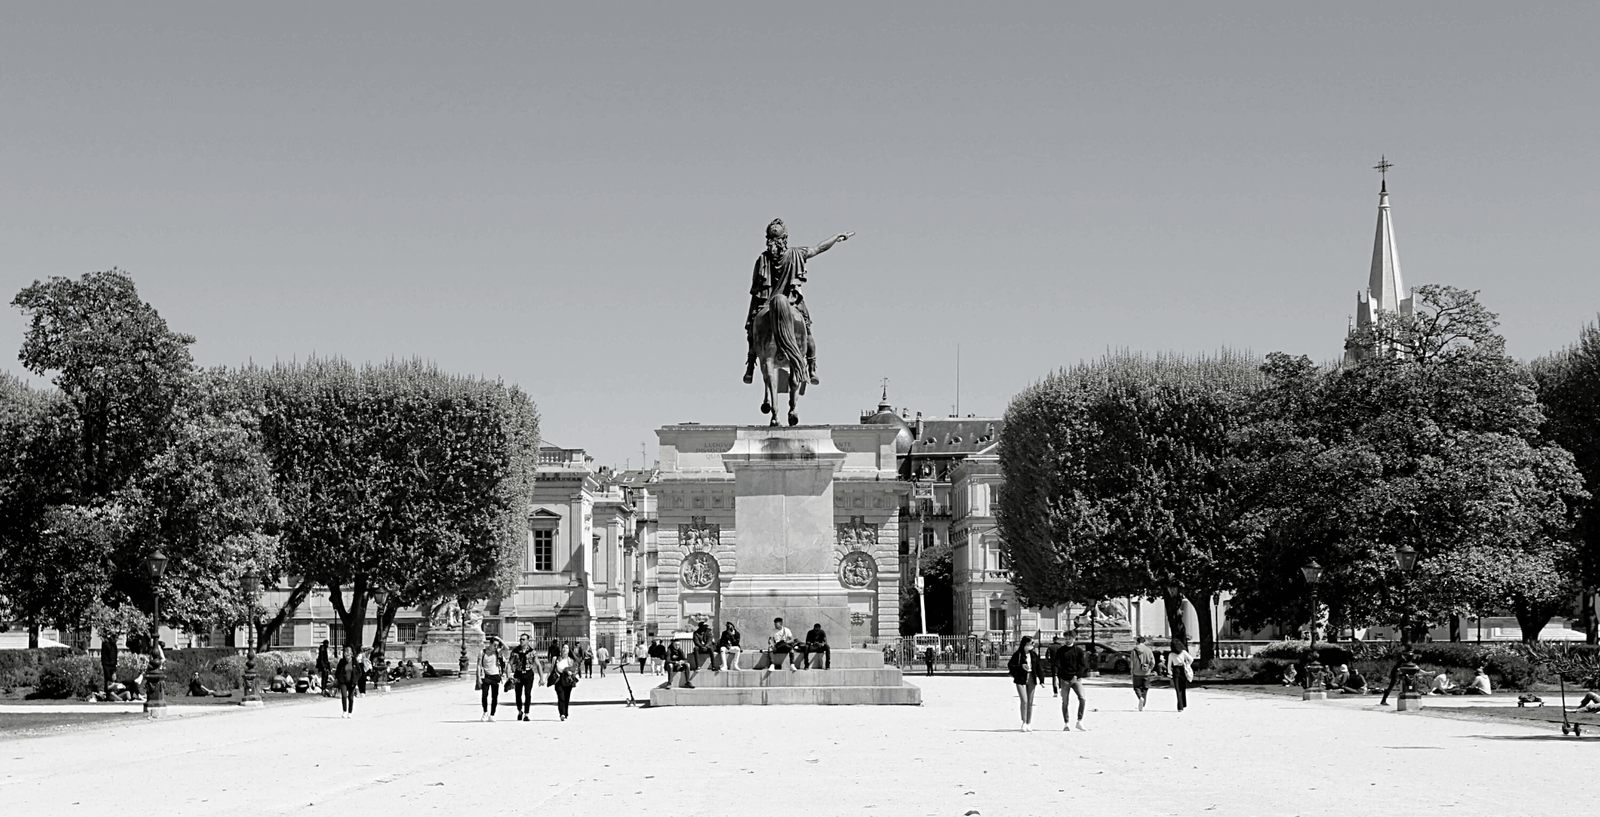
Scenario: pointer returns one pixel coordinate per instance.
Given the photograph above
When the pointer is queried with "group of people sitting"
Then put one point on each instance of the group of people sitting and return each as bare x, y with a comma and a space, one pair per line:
1347, 681
723, 651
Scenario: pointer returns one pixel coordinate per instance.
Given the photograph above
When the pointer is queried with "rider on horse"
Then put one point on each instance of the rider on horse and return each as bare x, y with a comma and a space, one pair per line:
782, 269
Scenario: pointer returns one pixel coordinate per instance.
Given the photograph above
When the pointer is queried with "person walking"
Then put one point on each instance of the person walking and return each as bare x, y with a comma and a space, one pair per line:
1072, 666
1180, 665
345, 675
928, 657
1141, 662
1027, 673
324, 667
363, 666
658, 656
525, 671
563, 677
588, 660
641, 654
491, 668
1406, 656
603, 655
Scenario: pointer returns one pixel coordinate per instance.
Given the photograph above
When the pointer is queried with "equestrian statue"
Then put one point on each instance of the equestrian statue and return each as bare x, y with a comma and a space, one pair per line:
778, 324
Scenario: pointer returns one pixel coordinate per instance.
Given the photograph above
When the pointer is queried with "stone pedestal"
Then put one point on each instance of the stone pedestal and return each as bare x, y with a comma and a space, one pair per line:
783, 511
441, 647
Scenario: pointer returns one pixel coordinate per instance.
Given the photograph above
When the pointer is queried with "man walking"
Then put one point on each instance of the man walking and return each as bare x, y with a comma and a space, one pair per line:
1072, 665
1141, 662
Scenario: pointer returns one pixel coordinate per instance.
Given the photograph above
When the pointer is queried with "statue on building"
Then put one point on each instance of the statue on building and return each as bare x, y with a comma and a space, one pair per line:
778, 323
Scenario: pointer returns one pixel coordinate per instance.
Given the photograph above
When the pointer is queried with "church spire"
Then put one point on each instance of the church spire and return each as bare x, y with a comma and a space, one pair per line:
1386, 288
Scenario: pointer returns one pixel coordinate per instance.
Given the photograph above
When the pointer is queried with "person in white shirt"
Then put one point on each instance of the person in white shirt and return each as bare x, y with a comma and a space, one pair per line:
780, 645
1479, 684
1181, 666
1442, 685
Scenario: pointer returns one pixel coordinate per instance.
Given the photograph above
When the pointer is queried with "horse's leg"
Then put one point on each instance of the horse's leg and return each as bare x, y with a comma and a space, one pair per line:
794, 392
766, 387
770, 371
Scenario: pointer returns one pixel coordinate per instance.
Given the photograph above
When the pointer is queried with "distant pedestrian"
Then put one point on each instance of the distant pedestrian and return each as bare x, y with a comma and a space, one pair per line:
1406, 656
1027, 672
642, 654
603, 655
491, 669
363, 666
588, 660
949, 656
1052, 656
1180, 665
525, 672
929, 657
1072, 666
563, 677
108, 662
1141, 662
346, 675
324, 666
658, 656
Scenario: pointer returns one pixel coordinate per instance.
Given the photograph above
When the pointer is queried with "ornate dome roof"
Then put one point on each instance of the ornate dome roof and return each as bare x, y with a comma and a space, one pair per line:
886, 417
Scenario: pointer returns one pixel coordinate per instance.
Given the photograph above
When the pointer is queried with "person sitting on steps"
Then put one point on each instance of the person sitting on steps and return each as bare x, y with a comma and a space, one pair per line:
676, 661
705, 643
817, 644
728, 647
780, 645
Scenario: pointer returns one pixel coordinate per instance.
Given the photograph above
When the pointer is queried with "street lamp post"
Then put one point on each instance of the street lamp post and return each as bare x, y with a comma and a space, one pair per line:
1312, 688
155, 699
380, 662
461, 663
251, 584
1410, 700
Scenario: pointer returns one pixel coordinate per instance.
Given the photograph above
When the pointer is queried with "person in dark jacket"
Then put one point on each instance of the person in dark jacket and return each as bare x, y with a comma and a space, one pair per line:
705, 643
324, 667
928, 657
525, 672
1027, 672
1072, 666
817, 643
346, 676
677, 661
108, 661
727, 647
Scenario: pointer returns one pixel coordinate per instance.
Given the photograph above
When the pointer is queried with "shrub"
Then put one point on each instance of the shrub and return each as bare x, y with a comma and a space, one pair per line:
1294, 652
32, 659
130, 665
19, 677
72, 677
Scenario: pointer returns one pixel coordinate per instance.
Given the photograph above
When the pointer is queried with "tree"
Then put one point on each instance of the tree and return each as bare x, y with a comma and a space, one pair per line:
1120, 482
1568, 384
395, 477
1432, 443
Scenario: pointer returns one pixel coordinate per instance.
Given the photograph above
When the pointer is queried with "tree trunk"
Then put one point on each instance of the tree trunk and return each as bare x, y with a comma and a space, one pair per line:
33, 635
1455, 627
1591, 621
1531, 622
1208, 635
265, 632
351, 616
1174, 607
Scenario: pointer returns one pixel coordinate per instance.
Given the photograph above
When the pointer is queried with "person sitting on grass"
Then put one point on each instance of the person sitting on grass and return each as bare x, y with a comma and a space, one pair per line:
1291, 677
280, 682
1443, 685
1353, 684
1479, 684
1590, 703
303, 685
197, 689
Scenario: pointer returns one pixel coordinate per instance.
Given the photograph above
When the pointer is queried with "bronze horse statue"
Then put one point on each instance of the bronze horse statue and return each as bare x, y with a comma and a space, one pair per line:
780, 335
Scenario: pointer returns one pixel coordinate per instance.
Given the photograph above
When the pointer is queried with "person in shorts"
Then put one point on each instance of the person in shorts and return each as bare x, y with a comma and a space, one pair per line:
780, 645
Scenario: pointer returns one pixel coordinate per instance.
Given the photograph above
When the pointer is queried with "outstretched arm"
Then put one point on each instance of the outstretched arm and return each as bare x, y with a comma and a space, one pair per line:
826, 245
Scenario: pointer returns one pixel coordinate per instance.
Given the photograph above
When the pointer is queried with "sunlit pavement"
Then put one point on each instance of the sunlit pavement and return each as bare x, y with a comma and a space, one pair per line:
424, 751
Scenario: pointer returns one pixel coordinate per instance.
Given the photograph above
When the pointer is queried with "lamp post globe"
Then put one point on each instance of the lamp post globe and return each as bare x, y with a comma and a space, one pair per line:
155, 698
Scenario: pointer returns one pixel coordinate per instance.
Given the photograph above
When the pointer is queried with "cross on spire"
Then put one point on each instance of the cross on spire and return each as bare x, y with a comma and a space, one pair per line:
886, 388
1382, 167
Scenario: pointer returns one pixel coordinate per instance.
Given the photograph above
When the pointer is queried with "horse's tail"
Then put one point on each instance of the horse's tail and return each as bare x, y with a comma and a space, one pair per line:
790, 346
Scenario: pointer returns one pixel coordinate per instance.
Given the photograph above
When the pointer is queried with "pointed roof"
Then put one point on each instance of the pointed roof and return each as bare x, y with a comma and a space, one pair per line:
1384, 284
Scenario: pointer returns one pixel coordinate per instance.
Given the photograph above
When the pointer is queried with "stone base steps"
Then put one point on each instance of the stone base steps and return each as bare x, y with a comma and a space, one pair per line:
728, 679
902, 695
842, 659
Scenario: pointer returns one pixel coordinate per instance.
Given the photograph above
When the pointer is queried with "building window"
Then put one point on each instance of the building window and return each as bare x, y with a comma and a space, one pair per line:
282, 637
335, 635
544, 550
543, 631
405, 633
927, 539
997, 619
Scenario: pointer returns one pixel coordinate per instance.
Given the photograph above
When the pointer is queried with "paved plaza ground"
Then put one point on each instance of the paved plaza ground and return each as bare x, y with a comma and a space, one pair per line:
423, 751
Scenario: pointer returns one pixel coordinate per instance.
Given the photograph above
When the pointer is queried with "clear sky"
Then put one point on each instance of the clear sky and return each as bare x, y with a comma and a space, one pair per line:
571, 196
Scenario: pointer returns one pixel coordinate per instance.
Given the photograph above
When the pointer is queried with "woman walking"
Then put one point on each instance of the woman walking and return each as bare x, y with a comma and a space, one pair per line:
491, 668
525, 670
563, 677
1027, 673
1180, 665
345, 675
